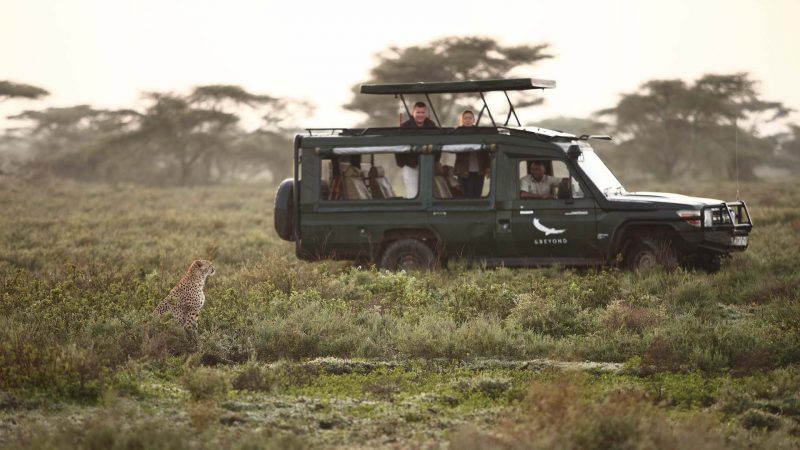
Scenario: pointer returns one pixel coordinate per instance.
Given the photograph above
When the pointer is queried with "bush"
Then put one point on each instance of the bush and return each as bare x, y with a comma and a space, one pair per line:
255, 378
205, 383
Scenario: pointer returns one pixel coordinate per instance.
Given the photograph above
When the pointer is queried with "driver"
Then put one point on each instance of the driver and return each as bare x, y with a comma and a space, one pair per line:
537, 184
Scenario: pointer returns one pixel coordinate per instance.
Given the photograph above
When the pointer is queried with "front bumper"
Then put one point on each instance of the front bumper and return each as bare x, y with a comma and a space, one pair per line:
726, 227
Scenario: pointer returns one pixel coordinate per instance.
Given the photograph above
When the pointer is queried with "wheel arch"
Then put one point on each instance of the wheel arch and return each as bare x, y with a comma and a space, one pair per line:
626, 233
430, 237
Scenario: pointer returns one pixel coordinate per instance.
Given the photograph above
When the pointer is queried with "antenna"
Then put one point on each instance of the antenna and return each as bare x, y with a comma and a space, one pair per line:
736, 153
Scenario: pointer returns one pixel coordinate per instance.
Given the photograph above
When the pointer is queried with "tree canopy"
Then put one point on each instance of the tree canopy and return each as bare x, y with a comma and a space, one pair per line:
672, 127
448, 59
9, 89
178, 139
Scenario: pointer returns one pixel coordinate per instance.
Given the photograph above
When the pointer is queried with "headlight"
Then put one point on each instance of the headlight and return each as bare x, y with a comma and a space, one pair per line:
708, 217
691, 216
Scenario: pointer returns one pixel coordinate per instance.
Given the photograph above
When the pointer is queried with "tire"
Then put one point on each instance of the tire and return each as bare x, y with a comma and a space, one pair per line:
648, 253
711, 263
284, 210
408, 254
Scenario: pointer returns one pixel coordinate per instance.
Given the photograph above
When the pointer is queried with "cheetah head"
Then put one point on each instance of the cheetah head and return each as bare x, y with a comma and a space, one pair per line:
202, 267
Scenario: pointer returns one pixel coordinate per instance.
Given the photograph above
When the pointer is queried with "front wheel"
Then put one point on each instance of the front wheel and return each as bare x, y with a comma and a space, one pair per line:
408, 254
708, 262
649, 253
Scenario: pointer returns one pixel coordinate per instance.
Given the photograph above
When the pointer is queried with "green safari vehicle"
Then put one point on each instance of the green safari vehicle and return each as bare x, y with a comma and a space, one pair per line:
546, 197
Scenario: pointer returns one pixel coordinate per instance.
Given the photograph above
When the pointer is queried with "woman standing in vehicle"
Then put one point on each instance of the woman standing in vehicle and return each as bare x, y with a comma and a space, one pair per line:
471, 167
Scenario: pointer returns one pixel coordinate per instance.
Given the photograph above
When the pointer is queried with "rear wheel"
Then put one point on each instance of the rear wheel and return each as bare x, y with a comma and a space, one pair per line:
648, 253
408, 254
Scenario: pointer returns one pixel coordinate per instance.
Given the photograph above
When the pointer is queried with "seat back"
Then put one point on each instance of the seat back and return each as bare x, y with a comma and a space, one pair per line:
452, 180
379, 185
441, 188
354, 187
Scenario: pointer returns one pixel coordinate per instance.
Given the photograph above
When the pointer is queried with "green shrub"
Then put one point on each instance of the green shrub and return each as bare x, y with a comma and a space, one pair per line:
551, 316
205, 383
253, 377
315, 329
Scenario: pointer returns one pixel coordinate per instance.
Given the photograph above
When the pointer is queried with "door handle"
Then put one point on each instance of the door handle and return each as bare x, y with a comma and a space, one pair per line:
526, 212
576, 213
440, 213
504, 225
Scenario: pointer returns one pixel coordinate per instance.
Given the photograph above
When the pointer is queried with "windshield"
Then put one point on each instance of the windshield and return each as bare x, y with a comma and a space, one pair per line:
600, 175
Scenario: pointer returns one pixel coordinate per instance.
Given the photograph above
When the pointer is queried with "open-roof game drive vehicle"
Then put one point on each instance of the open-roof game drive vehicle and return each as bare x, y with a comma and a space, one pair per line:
349, 200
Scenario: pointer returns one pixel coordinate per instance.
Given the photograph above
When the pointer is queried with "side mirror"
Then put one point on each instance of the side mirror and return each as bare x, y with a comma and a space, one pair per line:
565, 190
574, 152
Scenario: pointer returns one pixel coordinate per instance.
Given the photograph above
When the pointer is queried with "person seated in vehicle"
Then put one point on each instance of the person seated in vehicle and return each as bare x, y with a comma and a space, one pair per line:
471, 167
537, 184
409, 162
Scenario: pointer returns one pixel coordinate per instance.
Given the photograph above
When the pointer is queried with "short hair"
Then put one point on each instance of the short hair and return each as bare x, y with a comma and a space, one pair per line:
420, 105
466, 111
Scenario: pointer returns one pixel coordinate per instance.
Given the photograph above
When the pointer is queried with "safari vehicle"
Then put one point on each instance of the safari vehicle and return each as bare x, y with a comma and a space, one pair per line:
347, 198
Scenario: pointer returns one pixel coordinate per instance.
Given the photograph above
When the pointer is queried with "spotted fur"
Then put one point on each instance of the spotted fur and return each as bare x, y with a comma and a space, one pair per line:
186, 299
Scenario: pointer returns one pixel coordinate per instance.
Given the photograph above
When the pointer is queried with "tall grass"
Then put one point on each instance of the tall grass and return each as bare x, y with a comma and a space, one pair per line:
81, 267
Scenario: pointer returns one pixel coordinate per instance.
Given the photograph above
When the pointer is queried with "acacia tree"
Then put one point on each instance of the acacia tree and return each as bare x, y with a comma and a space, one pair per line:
672, 127
11, 145
448, 59
183, 139
61, 139
178, 139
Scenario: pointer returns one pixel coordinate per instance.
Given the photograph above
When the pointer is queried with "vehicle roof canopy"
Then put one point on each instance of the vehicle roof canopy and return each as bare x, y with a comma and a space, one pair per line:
454, 87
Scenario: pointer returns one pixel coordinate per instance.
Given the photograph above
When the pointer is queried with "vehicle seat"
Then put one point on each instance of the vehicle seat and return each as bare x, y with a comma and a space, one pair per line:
440, 187
354, 187
379, 185
452, 181
324, 190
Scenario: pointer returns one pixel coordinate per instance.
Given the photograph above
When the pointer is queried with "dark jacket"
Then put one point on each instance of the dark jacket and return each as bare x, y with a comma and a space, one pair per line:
410, 159
461, 167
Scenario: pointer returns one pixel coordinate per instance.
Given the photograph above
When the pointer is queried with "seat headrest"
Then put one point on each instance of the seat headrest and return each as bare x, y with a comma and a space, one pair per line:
376, 172
447, 171
352, 171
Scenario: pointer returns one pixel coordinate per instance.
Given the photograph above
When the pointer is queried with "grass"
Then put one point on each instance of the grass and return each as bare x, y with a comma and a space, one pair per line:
292, 354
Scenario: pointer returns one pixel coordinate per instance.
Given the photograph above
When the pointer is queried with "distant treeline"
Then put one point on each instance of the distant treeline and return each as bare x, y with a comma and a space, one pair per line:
665, 129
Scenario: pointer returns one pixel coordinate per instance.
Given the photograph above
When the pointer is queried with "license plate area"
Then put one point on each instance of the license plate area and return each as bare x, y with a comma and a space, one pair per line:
739, 241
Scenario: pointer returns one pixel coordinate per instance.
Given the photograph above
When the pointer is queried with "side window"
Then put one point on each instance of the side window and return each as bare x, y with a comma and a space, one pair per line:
363, 177
462, 175
547, 179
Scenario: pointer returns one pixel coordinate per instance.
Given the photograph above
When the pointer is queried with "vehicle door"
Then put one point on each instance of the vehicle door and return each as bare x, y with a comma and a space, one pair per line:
358, 197
461, 208
551, 217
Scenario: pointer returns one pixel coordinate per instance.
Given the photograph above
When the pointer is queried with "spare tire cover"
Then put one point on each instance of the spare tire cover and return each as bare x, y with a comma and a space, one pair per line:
284, 210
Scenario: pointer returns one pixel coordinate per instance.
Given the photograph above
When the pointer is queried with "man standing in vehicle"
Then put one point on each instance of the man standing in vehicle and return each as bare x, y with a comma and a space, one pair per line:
408, 162
537, 184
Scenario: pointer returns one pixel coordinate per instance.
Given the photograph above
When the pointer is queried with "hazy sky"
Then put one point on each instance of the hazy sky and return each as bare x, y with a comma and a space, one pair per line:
106, 52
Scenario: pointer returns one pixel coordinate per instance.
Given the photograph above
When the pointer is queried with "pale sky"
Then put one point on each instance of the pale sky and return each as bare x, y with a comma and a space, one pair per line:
106, 52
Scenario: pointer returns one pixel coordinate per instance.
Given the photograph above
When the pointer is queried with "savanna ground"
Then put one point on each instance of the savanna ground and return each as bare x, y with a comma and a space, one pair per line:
292, 354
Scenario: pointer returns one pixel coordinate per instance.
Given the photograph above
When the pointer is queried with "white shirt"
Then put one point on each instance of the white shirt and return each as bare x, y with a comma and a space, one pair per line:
541, 188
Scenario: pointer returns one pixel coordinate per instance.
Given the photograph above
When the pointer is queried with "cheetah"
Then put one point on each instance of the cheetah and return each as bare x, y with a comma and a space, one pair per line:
186, 299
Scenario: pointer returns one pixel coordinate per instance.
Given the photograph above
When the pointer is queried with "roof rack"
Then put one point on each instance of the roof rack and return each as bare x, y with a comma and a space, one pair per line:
457, 87
460, 87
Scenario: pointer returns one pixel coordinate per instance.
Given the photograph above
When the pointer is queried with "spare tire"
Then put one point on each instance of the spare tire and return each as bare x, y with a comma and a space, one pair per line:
284, 210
